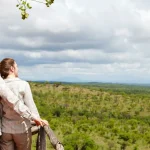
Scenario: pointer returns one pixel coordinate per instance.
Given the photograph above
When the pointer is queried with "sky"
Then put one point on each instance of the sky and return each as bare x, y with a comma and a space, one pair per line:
79, 40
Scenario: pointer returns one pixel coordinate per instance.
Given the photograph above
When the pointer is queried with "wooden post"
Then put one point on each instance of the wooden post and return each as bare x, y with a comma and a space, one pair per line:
53, 139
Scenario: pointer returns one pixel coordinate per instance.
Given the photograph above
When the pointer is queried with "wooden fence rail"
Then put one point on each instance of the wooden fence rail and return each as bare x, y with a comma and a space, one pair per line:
41, 140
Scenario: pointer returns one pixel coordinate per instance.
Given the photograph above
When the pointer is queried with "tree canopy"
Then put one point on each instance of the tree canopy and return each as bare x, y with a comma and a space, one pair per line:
24, 5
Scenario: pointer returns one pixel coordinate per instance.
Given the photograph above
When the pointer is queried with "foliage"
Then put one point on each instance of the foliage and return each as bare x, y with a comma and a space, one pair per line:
78, 141
24, 5
88, 117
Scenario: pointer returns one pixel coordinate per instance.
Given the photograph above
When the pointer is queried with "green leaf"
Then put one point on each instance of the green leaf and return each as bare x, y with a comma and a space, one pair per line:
21, 7
23, 17
23, 13
17, 5
26, 15
52, 1
24, 2
47, 4
28, 5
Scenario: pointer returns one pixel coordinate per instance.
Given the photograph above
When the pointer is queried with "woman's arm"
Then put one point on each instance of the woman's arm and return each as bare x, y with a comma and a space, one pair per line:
29, 102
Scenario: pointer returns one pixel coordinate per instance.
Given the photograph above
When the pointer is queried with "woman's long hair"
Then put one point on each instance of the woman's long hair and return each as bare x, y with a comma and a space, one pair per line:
5, 66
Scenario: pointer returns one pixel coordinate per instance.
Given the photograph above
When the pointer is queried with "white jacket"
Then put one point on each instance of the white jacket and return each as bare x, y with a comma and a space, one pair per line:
14, 90
13, 101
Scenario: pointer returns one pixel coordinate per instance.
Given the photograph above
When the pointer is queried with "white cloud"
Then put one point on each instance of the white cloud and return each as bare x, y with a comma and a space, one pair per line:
31, 42
90, 40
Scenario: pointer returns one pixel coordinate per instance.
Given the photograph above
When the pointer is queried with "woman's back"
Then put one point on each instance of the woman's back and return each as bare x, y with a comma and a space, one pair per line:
17, 86
11, 121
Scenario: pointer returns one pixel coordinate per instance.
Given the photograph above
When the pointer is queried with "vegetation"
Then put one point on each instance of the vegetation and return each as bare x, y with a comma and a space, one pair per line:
96, 116
24, 5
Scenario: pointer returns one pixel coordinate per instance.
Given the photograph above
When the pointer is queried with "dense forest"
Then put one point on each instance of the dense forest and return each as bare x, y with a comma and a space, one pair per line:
95, 116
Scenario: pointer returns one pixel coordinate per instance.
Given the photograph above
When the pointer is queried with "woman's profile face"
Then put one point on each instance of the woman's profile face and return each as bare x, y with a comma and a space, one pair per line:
16, 69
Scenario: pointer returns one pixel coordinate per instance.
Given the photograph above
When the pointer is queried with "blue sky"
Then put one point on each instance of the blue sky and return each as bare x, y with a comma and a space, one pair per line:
79, 40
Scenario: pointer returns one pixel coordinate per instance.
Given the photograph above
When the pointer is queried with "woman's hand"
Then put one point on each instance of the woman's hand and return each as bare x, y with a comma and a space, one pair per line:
40, 122
45, 122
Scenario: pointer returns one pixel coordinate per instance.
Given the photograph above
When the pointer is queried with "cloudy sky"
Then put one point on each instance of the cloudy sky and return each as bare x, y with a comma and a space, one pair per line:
79, 40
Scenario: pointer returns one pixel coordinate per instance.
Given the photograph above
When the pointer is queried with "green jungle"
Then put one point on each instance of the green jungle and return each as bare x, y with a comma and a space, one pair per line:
95, 116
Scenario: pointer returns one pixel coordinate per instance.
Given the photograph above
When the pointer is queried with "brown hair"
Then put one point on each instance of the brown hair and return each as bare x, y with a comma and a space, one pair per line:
5, 66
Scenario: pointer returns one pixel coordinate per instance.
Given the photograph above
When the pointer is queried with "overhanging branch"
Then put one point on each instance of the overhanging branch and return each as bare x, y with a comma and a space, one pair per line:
38, 1
23, 5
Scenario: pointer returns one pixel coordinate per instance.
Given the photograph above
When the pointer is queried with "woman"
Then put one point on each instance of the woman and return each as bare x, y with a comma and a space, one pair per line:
16, 130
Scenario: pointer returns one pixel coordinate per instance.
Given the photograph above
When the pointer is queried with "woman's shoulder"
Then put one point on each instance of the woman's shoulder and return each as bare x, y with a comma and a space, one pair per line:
17, 85
24, 82
16, 81
21, 80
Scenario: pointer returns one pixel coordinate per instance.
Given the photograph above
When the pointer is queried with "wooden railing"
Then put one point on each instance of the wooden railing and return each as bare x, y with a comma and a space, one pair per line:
41, 139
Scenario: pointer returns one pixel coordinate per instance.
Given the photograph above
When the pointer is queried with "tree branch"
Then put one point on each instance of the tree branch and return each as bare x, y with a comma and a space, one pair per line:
23, 5
38, 1
18, 1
